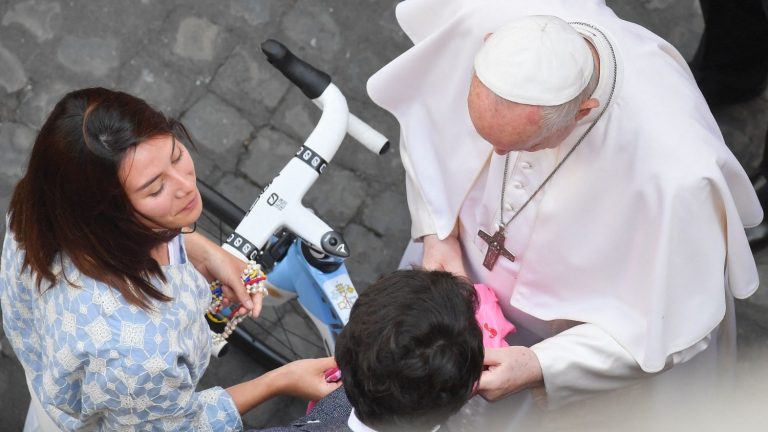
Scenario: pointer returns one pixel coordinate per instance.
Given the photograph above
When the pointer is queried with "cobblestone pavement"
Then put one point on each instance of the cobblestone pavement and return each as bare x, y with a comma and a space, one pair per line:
200, 61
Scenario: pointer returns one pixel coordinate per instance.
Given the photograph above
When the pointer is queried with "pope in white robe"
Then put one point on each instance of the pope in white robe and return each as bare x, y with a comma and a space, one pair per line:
627, 259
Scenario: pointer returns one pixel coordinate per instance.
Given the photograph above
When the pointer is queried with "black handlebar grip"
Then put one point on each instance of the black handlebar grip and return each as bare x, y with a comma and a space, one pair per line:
306, 77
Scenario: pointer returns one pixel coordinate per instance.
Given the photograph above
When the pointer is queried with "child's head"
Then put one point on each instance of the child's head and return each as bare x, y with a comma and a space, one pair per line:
412, 350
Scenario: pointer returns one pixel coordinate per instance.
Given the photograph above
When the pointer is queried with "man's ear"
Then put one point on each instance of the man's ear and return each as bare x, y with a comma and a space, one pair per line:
586, 107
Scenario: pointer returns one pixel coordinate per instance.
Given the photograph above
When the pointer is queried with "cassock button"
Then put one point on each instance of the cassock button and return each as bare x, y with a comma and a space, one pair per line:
517, 185
509, 206
526, 165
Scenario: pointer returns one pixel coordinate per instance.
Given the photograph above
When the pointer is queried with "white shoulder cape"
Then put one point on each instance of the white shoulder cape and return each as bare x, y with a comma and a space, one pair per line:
643, 227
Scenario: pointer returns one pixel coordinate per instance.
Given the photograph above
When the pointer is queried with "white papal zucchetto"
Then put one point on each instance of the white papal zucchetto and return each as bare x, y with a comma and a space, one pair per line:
535, 60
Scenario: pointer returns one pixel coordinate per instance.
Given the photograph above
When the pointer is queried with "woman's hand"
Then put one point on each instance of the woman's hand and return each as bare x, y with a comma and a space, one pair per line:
301, 378
508, 371
306, 378
443, 254
216, 263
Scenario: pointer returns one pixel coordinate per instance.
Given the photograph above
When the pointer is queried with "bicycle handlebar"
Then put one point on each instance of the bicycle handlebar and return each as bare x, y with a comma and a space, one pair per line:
279, 205
306, 77
313, 83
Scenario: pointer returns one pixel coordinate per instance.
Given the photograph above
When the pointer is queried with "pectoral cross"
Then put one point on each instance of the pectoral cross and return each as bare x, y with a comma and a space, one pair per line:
495, 248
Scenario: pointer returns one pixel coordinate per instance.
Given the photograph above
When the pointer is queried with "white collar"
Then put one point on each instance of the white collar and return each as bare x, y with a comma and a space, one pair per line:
610, 72
357, 426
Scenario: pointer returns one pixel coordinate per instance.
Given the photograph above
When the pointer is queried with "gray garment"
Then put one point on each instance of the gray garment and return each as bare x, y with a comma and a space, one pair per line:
330, 414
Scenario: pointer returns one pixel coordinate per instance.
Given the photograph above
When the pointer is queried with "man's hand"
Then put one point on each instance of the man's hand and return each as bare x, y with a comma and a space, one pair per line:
216, 263
443, 254
508, 371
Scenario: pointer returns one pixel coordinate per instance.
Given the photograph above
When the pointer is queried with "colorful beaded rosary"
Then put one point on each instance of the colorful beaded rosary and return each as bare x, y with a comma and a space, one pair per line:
254, 280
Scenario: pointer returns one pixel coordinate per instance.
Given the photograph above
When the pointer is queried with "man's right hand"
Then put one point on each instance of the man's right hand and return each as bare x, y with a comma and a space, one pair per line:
443, 254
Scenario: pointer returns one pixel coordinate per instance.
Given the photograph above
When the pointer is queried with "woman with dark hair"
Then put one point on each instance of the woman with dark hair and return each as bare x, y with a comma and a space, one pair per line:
103, 298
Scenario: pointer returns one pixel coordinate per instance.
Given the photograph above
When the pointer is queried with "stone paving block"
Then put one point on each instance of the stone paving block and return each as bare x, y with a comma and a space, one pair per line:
6, 190
761, 296
161, 86
37, 101
193, 44
97, 56
15, 144
386, 213
296, 115
13, 77
42, 19
14, 385
9, 105
129, 21
218, 129
744, 128
336, 196
250, 83
377, 40
371, 256
310, 30
28, 29
678, 22
85, 55
206, 168
239, 190
257, 13
266, 155
751, 326
254, 21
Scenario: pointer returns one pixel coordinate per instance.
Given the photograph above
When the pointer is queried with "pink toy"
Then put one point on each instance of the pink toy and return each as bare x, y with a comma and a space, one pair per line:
490, 318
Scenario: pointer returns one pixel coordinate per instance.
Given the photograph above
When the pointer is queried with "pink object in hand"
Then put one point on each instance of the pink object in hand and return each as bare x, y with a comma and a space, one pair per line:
331, 375
490, 318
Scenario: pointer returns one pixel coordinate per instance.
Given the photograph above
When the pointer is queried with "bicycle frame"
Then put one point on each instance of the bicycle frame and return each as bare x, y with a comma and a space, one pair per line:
327, 295
310, 266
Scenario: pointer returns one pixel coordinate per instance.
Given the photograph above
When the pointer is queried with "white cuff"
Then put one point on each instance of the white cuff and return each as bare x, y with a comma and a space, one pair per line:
421, 219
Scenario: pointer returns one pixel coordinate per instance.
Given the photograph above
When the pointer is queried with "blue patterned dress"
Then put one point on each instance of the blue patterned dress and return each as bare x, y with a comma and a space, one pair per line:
96, 362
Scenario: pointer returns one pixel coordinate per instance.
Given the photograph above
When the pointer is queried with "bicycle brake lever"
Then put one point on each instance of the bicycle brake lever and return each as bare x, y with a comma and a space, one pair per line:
333, 243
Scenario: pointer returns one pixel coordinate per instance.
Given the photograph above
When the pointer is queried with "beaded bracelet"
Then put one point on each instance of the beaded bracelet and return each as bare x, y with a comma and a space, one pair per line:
254, 280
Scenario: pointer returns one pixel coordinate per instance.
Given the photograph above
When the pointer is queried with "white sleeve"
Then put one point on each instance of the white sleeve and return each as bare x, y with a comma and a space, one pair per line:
584, 360
421, 220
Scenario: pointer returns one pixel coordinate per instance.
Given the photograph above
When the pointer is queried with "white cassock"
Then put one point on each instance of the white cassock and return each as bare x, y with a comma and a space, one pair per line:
628, 260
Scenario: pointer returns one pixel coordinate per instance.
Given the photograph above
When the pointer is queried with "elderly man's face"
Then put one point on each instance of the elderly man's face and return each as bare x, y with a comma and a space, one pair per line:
508, 126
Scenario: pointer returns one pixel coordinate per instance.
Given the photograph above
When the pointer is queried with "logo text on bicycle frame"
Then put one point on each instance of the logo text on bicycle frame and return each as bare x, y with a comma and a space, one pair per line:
243, 246
275, 201
314, 160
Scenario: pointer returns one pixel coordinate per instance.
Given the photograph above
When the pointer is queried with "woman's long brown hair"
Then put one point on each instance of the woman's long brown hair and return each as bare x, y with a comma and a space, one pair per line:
71, 200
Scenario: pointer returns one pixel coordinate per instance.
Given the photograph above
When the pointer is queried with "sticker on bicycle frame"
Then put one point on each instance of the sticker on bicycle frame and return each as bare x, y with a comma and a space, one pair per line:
342, 295
314, 160
275, 201
243, 246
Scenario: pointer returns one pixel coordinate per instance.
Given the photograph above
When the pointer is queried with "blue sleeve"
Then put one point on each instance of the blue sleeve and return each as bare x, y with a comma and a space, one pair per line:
114, 366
